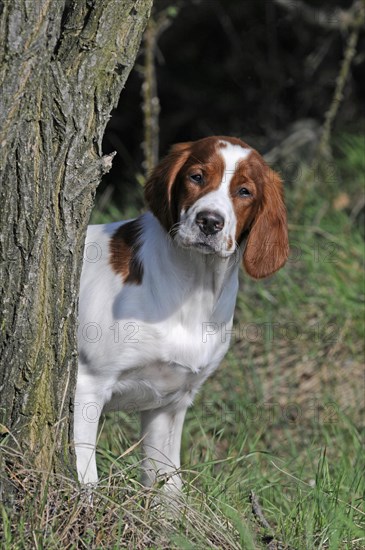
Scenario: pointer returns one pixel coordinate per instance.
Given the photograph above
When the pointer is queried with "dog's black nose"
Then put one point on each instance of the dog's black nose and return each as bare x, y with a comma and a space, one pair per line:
209, 222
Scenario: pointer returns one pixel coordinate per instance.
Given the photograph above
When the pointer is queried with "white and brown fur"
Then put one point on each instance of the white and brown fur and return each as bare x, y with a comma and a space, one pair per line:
156, 283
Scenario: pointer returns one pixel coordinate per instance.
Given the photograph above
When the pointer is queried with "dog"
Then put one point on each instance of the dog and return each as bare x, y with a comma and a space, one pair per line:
157, 290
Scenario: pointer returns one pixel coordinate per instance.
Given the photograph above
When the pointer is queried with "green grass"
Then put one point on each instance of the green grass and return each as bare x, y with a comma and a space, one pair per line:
282, 417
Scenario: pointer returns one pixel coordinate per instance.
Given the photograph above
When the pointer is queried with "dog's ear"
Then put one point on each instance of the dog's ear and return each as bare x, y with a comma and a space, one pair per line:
158, 189
267, 246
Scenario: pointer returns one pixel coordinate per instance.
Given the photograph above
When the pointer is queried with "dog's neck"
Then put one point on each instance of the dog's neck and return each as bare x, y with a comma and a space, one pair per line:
188, 271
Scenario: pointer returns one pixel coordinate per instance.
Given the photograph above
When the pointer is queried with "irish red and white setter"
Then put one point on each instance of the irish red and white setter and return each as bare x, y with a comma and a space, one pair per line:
154, 290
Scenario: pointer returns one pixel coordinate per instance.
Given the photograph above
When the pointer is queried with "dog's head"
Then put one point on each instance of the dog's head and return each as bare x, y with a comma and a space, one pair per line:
215, 193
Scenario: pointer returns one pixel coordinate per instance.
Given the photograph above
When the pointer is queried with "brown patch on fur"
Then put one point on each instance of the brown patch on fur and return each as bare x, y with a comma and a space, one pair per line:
158, 189
262, 217
229, 242
249, 175
204, 159
169, 188
124, 247
233, 141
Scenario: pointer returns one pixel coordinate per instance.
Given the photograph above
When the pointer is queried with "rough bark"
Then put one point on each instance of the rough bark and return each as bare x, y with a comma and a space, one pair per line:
63, 65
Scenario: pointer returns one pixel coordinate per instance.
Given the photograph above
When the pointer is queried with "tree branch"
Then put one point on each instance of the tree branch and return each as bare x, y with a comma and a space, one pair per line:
340, 86
151, 102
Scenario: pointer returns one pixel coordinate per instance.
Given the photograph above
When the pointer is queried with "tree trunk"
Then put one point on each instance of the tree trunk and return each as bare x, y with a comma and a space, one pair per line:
63, 64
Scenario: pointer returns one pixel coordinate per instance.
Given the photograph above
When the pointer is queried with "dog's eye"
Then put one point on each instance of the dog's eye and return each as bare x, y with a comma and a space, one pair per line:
196, 178
244, 192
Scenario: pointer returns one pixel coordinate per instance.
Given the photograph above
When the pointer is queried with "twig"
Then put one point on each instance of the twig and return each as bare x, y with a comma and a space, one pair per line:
151, 103
258, 513
150, 100
340, 86
269, 538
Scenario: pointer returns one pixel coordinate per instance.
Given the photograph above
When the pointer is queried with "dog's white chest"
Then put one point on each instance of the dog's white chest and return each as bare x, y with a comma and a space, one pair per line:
166, 363
158, 341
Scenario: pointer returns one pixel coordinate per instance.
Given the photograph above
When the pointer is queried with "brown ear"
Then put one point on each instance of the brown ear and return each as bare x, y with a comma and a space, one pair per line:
159, 185
267, 247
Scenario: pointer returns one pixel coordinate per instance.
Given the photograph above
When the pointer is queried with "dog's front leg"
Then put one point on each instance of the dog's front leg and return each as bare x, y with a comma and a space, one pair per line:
88, 408
161, 432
